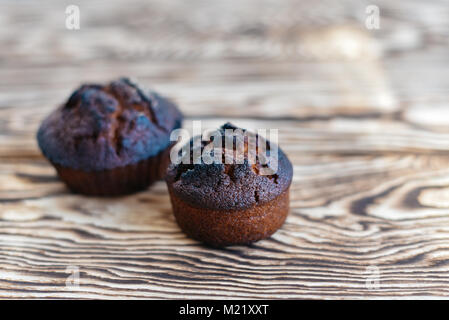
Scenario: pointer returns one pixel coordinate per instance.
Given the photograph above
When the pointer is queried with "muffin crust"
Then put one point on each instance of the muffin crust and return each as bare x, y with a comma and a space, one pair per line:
106, 126
225, 186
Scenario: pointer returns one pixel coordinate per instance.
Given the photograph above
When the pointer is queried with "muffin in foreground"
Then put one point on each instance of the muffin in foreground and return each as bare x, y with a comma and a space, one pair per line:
229, 202
110, 139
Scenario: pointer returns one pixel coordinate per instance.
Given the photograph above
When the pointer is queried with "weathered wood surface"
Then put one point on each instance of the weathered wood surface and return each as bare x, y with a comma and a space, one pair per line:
363, 115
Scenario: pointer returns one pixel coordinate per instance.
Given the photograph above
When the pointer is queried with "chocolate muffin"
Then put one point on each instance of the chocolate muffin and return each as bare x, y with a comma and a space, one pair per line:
110, 139
236, 199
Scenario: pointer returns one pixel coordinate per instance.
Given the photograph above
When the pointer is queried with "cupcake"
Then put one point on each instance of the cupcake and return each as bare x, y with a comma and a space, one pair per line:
240, 197
110, 139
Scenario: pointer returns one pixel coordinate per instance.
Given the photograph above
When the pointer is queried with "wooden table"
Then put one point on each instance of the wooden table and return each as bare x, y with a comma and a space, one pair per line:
362, 114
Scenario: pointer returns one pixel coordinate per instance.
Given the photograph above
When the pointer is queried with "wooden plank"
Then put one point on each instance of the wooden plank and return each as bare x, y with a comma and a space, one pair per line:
295, 67
361, 114
380, 199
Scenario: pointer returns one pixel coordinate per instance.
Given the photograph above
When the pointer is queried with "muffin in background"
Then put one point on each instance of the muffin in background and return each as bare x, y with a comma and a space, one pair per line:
110, 139
229, 202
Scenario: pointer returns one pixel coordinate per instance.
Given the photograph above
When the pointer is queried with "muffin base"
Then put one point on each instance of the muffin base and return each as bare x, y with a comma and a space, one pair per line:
117, 181
220, 228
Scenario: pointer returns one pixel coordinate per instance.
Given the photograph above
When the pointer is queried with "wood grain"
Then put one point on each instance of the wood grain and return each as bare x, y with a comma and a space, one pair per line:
361, 114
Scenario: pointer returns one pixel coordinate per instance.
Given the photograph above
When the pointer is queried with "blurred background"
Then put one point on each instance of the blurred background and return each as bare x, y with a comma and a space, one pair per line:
235, 58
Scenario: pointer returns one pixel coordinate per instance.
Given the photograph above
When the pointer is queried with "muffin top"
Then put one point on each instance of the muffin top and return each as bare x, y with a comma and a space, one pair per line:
106, 126
241, 175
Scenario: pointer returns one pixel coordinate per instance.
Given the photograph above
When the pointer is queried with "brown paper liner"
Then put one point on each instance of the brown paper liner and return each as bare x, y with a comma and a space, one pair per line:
116, 181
